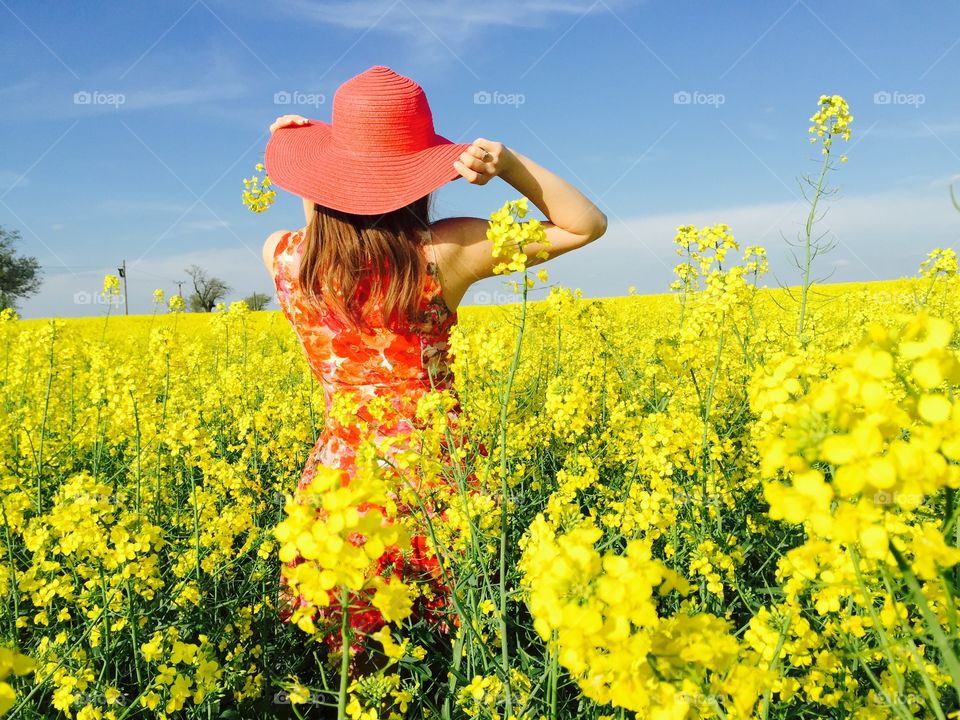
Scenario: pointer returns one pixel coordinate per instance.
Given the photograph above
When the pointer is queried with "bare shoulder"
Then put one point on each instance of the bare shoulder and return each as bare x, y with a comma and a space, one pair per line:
455, 231
270, 246
457, 242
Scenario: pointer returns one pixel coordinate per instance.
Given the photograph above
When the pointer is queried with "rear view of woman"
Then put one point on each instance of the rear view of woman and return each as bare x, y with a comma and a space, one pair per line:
372, 283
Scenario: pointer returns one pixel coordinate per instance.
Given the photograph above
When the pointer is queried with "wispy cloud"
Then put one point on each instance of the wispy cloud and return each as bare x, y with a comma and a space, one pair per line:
205, 225
879, 236
10, 179
17, 88
137, 206
916, 129
165, 97
77, 294
210, 76
452, 18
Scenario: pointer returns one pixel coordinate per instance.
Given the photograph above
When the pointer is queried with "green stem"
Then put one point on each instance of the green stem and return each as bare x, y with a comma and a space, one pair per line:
46, 409
947, 654
553, 676
808, 241
504, 502
876, 623
344, 654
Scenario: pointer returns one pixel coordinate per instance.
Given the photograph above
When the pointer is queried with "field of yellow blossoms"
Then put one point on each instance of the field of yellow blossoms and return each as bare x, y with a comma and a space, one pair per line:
727, 501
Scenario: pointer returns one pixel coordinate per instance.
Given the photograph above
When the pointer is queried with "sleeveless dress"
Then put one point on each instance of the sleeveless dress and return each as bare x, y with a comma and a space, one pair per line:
394, 366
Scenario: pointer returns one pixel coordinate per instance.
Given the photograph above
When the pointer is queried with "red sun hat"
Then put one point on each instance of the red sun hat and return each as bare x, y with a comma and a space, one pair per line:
379, 153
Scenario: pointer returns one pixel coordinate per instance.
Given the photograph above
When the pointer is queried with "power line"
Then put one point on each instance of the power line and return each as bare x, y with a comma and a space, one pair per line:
68, 268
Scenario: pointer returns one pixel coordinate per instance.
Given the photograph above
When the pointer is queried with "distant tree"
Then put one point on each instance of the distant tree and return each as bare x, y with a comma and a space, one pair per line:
19, 276
257, 301
953, 198
207, 291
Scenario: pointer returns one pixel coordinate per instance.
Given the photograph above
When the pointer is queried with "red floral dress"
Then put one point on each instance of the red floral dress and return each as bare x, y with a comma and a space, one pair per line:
396, 366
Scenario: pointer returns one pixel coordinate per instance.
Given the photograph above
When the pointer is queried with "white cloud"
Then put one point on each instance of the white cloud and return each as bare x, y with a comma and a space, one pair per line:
19, 87
240, 268
131, 205
447, 18
915, 128
205, 225
879, 236
165, 97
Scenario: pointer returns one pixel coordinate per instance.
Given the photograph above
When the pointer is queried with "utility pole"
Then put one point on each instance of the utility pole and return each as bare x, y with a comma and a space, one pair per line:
179, 287
123, 274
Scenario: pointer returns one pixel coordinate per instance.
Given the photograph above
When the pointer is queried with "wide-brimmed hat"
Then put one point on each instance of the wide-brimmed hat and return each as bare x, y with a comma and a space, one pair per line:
379, 153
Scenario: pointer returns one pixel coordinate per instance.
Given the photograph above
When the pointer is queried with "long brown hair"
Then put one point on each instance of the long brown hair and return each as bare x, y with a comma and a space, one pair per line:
341, 248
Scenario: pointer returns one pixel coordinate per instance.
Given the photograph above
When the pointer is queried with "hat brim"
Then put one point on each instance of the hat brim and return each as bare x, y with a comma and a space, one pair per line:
303, 160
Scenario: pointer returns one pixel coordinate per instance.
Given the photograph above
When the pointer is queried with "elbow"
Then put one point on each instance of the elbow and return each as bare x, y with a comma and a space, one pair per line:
600, 226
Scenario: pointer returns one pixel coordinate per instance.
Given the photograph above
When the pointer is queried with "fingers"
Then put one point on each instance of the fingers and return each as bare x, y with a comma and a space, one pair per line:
481, 147
285, 120
469, 174
478, 152
480, 158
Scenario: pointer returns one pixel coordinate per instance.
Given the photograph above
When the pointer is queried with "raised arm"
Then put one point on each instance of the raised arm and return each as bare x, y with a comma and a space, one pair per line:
572, 219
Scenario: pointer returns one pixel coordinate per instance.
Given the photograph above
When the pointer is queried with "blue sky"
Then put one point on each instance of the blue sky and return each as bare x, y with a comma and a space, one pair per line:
182, 93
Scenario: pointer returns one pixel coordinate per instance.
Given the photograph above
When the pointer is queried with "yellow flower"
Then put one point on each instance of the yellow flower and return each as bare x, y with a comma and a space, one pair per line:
257, 196
111, 285
833, 118
394, 600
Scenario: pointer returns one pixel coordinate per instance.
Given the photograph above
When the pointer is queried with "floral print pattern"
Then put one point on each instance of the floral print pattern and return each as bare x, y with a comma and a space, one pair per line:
367, 370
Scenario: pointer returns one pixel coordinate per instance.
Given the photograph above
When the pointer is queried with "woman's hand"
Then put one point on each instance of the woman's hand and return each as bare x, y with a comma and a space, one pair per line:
285, 120
483, 160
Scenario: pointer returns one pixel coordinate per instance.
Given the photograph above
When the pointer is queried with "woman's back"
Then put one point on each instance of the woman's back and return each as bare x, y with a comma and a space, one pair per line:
396, 365
338, 354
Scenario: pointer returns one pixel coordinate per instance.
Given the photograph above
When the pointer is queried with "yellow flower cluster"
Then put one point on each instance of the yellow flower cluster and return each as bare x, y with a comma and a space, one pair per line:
338, 528
610, 636
258, 195
510, 237
857, 446
384, 693
939, 262
111, 285
483, 697
832, 119
878, 430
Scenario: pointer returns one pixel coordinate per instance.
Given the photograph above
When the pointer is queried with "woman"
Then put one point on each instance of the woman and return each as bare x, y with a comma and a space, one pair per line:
371, 284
